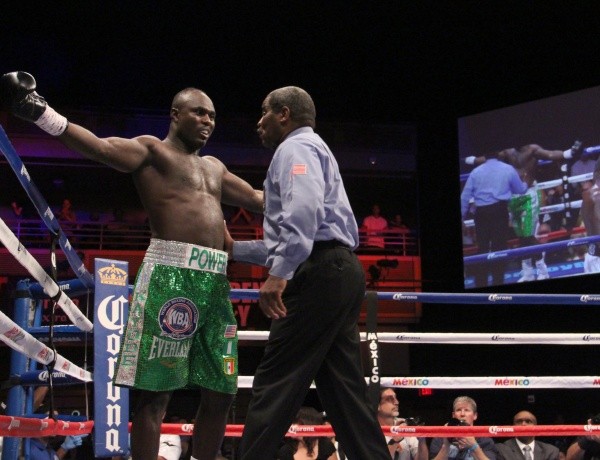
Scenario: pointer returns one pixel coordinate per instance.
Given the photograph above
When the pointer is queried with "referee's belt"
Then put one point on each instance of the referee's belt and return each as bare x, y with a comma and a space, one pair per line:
328, 244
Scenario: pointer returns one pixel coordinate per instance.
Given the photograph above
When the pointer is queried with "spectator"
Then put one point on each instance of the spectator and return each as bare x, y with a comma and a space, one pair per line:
562, 443
310, 447
398, 224
396, 234
526, 446
586, 447
66, 213
42, 450
464, 410
374, 226
339, 453
400, 447
17, 210
553, 219
67, 219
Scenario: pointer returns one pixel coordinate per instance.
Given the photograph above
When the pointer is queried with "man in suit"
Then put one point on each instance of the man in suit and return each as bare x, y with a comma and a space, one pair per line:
526, 447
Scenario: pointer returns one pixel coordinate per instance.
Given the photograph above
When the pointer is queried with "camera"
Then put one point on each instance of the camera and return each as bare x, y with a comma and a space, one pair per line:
414, 421
456, 422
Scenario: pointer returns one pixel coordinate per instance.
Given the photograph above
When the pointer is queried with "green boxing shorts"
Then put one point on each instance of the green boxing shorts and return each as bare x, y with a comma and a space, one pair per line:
181, 331
525, 210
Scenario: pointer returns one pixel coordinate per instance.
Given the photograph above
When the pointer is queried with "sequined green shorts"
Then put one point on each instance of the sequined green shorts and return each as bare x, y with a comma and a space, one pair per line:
181, 331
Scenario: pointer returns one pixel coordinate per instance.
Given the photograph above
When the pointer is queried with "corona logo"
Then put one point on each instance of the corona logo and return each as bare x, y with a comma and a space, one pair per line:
43, 376
499, 429
590, 428
497, 297
589, 298
113, 275
402, 429
293, 429
401, 296
187, 427
14, 423
499, 338
404, 337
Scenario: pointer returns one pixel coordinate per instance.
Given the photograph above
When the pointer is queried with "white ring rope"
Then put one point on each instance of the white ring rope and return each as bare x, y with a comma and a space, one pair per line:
493, 338
571, 180
488, 339
23, 342
13, 245
551, 184
498, 382
576, 204
557, 182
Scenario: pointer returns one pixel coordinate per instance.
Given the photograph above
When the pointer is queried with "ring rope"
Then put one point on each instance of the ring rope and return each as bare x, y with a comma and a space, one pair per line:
50, 287
43, 209
571, 180
422, 431
463, 338
24, 427
527, 250
23, 342
558, 207
30, 427
491, 382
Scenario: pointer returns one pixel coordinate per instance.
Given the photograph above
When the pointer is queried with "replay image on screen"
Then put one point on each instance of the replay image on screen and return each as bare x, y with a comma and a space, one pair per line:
530, 206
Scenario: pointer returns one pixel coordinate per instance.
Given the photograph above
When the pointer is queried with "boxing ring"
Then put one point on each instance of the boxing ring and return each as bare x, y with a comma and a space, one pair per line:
109, 286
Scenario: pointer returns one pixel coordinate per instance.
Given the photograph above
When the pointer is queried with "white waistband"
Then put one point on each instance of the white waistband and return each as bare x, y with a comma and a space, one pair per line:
186, 255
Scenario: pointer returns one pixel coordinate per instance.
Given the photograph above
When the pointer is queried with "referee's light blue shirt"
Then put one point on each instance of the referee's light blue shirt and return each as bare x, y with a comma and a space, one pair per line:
305, 201
489, 183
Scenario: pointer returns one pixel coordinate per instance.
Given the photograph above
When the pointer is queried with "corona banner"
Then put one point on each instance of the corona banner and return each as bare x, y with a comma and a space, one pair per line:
111, 403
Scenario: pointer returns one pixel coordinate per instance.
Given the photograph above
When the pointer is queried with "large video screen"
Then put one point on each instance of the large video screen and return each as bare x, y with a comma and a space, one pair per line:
529, 207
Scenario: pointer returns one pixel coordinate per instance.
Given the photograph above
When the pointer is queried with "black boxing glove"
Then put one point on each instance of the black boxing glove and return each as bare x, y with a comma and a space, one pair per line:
17, 93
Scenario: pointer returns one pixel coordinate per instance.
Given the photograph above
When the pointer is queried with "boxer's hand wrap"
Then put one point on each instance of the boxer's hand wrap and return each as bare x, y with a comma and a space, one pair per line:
17, 92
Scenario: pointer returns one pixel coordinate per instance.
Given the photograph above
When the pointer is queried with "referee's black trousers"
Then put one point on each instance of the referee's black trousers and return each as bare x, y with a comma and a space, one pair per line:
317, 341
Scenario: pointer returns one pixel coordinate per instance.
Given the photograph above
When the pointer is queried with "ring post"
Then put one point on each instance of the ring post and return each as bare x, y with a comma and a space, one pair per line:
373, 350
